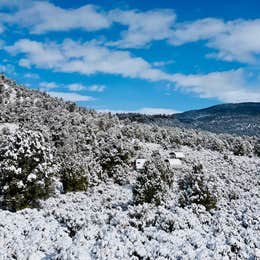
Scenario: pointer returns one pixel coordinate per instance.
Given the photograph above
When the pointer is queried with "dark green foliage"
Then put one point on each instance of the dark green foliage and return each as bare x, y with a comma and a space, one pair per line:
74, 180
74, 176
25, 170
115, 159
16, 198
71, 106
153, 183
239, 150
194, 188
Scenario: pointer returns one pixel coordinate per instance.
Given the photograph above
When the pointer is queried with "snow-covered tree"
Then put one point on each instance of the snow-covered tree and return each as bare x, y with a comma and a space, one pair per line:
153, 182
26, 169
195, 188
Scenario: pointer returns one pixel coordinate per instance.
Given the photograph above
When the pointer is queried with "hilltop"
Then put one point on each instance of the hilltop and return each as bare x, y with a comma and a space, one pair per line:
239, 119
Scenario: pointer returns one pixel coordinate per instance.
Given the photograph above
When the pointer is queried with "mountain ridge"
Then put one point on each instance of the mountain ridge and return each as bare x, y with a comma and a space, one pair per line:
232, 118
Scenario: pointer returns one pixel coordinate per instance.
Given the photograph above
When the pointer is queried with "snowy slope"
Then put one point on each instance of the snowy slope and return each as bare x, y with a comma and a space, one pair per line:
104, 224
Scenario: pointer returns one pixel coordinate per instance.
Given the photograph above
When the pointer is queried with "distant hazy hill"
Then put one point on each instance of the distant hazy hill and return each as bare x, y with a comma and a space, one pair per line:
241, 119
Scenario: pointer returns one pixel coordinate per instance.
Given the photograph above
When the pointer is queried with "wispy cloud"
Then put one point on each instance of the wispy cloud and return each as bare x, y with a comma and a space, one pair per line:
42, 55
143, 27
85, 58
96, 88
74, 97
42, 17
48, 85
80, 87
90, 58
76, 87
237, 40
31, 76
227, 86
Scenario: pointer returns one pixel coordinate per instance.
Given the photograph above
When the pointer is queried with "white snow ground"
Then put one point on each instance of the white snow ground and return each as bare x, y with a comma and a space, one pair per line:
103, 223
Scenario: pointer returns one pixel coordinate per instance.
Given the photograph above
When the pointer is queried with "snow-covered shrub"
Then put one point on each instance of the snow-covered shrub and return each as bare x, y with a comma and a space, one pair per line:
241, 147
153, 182
74, 176
26, 169
114, 155
195, 188
71, 106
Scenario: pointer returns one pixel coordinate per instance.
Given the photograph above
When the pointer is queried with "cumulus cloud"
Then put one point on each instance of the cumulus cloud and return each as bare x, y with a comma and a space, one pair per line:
143, 27
196, 30
42, 16
237, 40
70, 96
227, 86
42, 55
240, 42
90, 58
85, 58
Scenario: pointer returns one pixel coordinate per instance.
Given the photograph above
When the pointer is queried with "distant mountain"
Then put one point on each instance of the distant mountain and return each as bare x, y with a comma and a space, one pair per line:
240, 119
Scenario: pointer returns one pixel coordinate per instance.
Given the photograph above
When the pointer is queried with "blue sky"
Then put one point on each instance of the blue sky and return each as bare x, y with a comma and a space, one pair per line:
142, 56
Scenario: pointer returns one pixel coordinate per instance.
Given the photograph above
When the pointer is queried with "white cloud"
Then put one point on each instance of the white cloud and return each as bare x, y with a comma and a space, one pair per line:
31, 76
197, 30
227, 86
85, 58
162, 63
42, 55
79, 87
76, 87
96, 88
146, 110
42, 17
48, 85
74, 97
237, 40
91, 58
143, 27
240, 41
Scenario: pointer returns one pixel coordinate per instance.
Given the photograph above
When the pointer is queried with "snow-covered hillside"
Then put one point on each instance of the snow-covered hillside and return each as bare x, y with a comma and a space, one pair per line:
74, 168
103, 223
